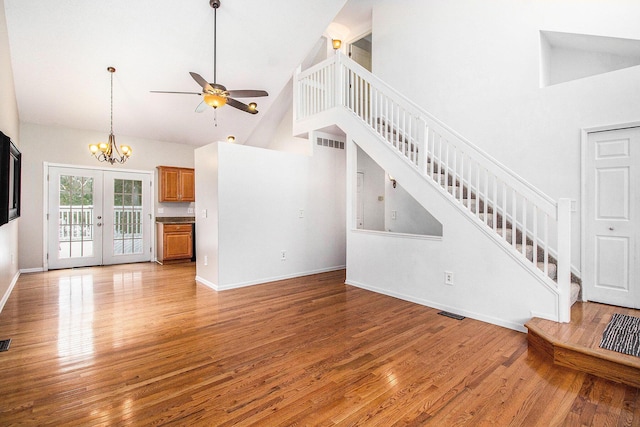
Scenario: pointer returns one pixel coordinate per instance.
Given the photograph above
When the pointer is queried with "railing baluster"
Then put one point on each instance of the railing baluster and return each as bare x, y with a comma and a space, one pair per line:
546, 245
461, 180
524, 227
534, 236
514, 216
478, 198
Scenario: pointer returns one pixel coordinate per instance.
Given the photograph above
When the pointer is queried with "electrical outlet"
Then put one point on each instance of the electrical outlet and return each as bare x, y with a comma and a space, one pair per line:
204, 213
448, 278
283, 255
394, 214
206, 260
160, 210
189, 210
301, 213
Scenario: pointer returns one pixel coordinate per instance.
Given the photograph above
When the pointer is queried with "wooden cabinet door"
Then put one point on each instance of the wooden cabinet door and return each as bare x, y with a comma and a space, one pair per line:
177, 245
187, 185
176, 184
177, 241
169, 184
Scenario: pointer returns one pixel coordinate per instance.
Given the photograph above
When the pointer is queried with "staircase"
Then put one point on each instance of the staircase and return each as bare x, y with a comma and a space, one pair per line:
530, 226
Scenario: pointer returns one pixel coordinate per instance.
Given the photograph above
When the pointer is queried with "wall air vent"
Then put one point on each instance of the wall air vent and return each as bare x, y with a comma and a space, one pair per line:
331, 143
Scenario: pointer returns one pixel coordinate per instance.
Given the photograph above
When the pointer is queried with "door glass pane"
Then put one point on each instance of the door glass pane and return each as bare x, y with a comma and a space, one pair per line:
127, 215
75, 217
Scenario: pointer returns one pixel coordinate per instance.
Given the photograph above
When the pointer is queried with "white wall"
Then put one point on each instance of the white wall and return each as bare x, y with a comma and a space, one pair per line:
9, 125
260, 194
475, 65
410, 216
490, 283
54, 144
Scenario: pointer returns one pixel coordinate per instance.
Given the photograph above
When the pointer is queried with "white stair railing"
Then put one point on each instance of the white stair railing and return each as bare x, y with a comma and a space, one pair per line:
529, 224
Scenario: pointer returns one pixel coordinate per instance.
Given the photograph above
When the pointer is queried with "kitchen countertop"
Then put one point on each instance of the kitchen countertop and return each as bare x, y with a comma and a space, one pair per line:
176, 219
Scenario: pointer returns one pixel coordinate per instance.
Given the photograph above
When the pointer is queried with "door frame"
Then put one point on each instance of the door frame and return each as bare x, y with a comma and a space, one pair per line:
584, 141
45, 203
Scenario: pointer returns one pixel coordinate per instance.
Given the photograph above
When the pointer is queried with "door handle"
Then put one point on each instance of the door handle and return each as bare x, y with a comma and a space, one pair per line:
610, 228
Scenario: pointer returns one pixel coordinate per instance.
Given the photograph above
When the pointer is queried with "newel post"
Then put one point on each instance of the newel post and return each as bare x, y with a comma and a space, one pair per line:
564, 260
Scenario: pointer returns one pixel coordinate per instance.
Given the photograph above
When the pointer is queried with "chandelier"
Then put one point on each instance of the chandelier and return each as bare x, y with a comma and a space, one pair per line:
108, 151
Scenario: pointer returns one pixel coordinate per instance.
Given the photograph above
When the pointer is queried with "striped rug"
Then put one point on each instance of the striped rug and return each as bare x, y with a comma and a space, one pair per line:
622, 334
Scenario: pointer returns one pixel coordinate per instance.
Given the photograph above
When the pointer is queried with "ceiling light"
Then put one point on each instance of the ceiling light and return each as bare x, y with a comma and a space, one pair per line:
336, 43
108, 151
253, 106
215, 100
231, 139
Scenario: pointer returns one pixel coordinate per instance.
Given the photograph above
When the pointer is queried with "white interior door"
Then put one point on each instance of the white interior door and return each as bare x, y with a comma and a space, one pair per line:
97, 217
612, 225
360, 201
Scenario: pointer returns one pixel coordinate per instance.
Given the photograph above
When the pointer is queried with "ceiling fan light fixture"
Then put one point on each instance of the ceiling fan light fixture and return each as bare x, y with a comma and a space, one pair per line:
215, 100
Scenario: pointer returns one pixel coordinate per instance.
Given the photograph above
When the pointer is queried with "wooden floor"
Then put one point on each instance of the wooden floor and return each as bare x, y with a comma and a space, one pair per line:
143, 344
577, 344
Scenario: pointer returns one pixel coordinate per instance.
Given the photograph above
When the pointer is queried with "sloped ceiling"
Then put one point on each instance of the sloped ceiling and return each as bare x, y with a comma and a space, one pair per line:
61, 49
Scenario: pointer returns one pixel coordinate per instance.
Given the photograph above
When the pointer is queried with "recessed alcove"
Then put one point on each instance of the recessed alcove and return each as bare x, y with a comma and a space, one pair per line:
567, 56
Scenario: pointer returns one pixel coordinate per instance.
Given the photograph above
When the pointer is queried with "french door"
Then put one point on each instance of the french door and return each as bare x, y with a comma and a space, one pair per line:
97, 217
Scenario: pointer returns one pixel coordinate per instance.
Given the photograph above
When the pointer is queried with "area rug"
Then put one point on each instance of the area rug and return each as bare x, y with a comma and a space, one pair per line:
622, 334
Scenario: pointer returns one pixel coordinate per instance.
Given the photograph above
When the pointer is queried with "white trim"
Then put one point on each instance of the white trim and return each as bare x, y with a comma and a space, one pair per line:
266, 280
7, 294
31, 270
473, 315
398, 235
584, 140
206, 283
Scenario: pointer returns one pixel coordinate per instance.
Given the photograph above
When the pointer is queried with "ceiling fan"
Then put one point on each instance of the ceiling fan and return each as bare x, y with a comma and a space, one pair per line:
215, 94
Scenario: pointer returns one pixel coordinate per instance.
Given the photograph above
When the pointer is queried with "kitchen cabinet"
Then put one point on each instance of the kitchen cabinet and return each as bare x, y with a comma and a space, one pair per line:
176, 184
174, 242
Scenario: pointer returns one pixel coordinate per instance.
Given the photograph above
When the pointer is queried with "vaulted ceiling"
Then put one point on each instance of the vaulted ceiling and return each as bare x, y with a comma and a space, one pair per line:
61, 49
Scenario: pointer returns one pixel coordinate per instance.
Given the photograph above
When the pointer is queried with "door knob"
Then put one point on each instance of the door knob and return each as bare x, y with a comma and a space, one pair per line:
610, 228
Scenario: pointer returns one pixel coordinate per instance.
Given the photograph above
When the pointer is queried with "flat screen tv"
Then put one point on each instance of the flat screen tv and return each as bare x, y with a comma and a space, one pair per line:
10, 166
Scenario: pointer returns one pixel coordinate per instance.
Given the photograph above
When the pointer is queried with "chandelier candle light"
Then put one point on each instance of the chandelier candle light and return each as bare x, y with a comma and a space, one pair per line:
108, 151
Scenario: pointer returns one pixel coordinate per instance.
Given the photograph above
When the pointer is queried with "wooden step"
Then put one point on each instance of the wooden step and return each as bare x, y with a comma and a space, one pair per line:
576, 344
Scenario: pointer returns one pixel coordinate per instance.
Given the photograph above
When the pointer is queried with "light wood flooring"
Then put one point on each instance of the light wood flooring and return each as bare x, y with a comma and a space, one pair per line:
577, 344
143, 344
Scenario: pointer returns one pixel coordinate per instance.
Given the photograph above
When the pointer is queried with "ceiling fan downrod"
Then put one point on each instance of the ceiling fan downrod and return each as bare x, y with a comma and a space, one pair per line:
215, 4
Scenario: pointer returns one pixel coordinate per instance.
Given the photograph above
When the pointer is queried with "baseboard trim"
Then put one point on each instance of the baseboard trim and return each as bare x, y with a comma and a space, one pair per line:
7, 294
267, 279
32, 270
473, 315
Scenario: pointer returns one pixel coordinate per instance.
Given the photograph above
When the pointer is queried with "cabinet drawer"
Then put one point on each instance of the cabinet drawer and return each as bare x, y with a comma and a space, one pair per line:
170, 228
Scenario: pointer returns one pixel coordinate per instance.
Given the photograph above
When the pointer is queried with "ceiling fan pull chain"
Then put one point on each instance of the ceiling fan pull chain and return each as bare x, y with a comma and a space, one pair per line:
215, 117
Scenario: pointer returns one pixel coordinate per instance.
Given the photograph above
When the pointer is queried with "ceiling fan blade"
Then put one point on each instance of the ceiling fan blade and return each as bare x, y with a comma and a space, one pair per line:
202, 82
247, 93
201, 107
240, 106
185, 93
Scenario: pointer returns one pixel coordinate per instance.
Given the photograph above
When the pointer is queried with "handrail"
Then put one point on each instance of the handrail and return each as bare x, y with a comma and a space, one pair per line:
508, 174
